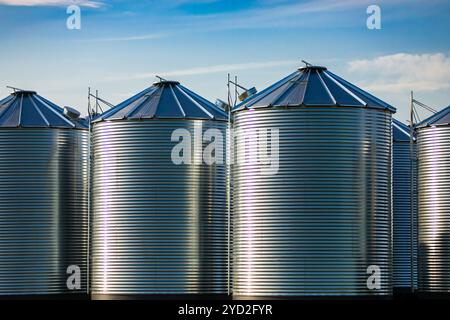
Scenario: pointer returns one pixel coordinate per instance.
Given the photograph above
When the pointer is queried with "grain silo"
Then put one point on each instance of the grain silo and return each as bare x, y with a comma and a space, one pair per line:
43, 197
159, 225
318, 222
404, 208
433, 152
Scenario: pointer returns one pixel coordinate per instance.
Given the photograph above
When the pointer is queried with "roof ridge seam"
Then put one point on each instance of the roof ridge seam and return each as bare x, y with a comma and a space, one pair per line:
326, 88
39, 111
138, 104
345, 89
20, 110
56, 113
177, 101
197, 104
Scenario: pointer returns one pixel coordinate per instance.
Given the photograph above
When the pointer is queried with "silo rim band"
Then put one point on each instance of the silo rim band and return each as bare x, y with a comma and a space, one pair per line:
282, 107
155, 119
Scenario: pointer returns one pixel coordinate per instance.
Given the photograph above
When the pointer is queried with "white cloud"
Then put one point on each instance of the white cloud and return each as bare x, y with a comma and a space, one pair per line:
211, 69
31, 3
403, 72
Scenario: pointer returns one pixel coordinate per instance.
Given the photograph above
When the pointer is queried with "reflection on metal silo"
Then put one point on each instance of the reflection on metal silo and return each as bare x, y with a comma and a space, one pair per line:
433, 151
405, 208
158, 227
321, 225
43, 196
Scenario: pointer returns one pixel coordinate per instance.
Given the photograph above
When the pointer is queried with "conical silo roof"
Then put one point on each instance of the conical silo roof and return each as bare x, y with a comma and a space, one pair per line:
165, 100
313, 86
27, 109
441, 118
400, 131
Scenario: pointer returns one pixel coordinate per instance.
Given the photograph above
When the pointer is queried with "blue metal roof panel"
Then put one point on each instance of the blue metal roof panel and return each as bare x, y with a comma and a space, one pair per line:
164, 100
365, 97
26, 109
316, 92
400, 131
438, 119
313, 86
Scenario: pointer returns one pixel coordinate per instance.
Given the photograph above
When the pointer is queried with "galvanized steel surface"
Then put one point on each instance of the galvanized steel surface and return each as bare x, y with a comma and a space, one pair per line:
433, 147
405, 209
43, 209
316, 226
157, 228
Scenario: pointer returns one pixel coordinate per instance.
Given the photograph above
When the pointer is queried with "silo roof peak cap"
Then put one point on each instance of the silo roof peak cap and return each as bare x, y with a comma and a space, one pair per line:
166, 83
23, 92
311, 67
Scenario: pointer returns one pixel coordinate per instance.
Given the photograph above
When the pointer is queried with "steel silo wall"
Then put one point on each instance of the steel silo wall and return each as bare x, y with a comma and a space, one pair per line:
433, 148
405, 225
157, 227
43, 209
317, 225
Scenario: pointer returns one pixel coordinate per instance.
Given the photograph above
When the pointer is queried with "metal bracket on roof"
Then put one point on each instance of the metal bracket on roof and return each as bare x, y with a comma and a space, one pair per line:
160, 78
95, 110
15, 89
307, 63
247, 93
415, 119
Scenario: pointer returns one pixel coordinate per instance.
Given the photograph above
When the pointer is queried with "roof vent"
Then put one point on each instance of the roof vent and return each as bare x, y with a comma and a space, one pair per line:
71, 113
248, 93
222, 105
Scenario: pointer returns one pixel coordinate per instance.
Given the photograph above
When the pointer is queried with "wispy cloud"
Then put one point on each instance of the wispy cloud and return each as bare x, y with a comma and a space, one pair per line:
209, 69
55, 3
143, 37
285, 14
403, 72
271, 14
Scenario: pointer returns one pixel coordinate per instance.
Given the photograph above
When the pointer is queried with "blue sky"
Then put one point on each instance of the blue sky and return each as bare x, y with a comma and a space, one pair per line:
123, 44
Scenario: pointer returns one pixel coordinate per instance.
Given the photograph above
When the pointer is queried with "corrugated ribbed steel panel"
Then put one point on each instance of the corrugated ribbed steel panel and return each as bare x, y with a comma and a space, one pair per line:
433, 148
405, 208
158, 228
316, 226
43, 209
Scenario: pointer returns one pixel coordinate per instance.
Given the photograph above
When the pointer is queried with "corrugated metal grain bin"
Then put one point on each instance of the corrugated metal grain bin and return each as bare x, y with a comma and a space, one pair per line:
405, 208
433, 151
159, 227
321, 223
43, 196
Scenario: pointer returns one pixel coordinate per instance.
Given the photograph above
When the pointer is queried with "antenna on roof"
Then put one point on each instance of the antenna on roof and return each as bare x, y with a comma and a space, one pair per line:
97, 102
307, 63
15, 89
